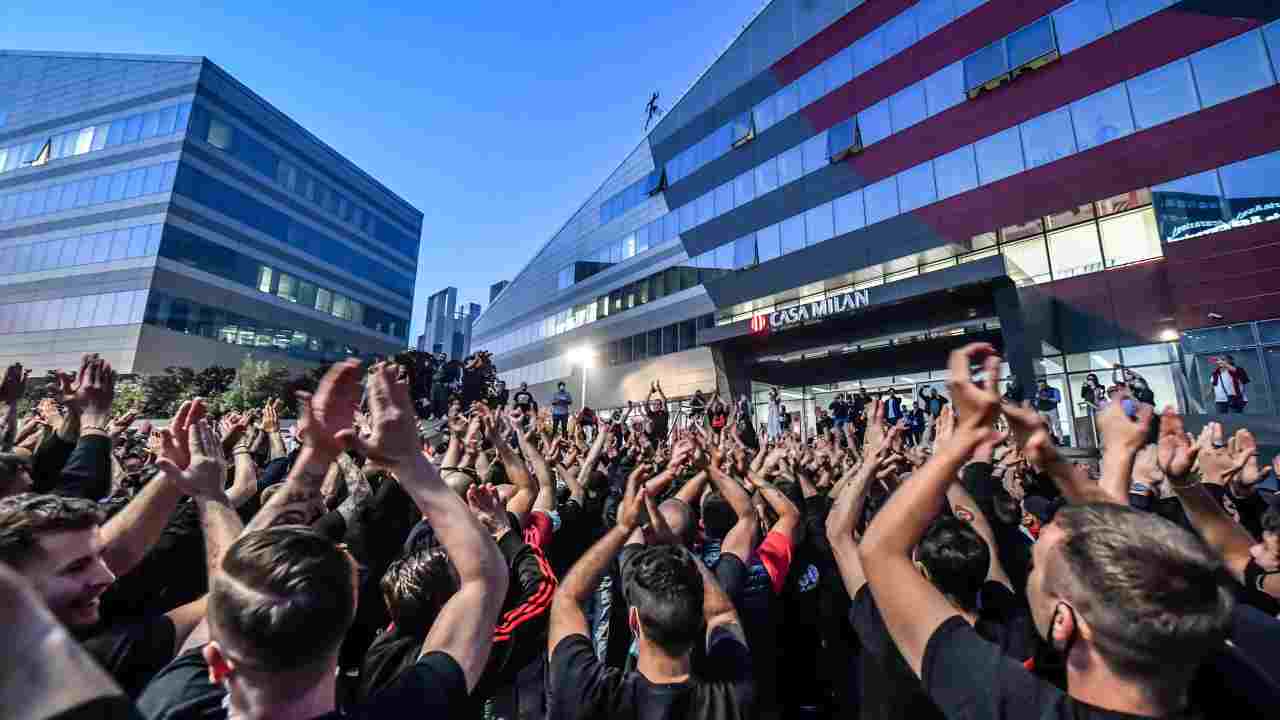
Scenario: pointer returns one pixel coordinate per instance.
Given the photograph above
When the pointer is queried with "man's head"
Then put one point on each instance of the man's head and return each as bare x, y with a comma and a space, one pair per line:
560, 386
956, 560
53, 541
416, 586
718, 516
1143, 593
279, 609
679, 517
524, 386
1043, 383
1271, 530
664, 591
14, 475
1091, 378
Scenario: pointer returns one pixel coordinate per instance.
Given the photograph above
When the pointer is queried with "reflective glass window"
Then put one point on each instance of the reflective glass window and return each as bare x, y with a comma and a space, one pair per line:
900, 32
706, 207
1233, 68
1031, 42
137, 244
744, 251
907, 107
744, 188
724, 198
1131, 237
1029, 257
945, 88
152, 179
839, 69
818, 224
115, 134
84, 192
184, 117
1009, 233
220, 134
766, 176
1163, 94
815, 153
1048, 138
99, 137
1188, 206
52, 197
999, 156
932, 15
1127, 12
849, 213
765, 113
915, 187
132, 129
882, 200
1080, 23
1075, 251
1272, 35
787, 101
150, 124
102, 246
70, 246
792, 234
869, 51
768, 242
812, 85
1102, 117
688, 216
988, 63
874, 123
670, 227
134, 185
1124, 201
101, 189
85, 249
84, 141
68, 313
166, 120
790, 166
724, 256
1252, 187
1073, 216
119, 245
118, 182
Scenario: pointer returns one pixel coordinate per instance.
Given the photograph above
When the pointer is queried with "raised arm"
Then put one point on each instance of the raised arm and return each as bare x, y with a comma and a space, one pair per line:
464, 627
11, 389
741, 538
1033, 439
967, 509
911, 606
842, 521
271, 428
544, 498
244, 484
521, 503
1122, 438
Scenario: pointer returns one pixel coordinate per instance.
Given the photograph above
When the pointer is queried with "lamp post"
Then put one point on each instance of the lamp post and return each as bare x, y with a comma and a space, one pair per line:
585, 357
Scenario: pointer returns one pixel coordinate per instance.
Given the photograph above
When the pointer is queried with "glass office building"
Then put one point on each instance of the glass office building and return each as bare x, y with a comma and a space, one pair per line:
157, 211
854, 188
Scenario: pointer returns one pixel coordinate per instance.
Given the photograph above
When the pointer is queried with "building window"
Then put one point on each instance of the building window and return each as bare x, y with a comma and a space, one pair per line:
1163, 94
220, 134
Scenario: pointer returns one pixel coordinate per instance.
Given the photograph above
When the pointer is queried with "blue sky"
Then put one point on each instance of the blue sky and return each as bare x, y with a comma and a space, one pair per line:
494, 119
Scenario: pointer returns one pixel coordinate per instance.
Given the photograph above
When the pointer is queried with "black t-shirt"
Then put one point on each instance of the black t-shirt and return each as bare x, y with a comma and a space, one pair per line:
889, 687
580, 686
1254, 595
839, 409
523, 399
432, 688
660, 419
116, 707
132, 653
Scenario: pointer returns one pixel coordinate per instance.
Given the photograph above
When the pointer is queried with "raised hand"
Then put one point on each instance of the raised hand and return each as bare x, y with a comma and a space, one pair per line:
121, 423
331, 409
976, 406
1245, 453
1118, 431
489, 508
233, 426
1176, 453
89, 393
1216, 464
206, 474
175, 446
658, 531
394, 438
631, 510
271, 415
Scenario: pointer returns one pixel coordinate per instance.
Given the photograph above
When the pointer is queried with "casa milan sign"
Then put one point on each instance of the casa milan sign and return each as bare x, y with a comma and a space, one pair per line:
809, 313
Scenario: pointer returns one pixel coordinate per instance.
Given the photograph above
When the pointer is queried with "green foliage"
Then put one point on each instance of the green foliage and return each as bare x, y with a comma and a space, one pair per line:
130, 395
164, 394
256, 382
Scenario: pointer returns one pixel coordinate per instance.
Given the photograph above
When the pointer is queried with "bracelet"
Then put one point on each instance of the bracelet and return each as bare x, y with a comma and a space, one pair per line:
240, 451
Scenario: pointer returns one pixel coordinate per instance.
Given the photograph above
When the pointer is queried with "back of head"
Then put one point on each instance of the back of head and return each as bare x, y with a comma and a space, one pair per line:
1151, 591
25, 517
665, 588
957, 560
283, 601
718, 516
416, 586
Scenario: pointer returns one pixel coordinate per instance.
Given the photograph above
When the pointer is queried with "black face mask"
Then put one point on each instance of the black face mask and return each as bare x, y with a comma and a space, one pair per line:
1050, 663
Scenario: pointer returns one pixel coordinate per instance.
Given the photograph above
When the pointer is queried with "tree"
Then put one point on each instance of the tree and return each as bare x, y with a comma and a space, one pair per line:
165, 393
256, 382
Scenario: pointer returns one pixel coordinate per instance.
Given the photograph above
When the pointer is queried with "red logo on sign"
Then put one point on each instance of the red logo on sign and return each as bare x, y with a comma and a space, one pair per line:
759, 324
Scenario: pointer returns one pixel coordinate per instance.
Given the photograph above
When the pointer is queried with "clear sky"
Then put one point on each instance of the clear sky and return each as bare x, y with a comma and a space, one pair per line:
496, 120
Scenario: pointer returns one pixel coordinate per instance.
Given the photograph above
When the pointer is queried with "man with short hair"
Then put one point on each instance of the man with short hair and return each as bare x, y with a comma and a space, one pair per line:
1134, 603
1047, 400
560, 403
282, 596
671, 596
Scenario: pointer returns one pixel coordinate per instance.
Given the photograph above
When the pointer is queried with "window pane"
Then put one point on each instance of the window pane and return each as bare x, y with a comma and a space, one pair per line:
900, 32
132, 129
766, 176
907, 107
103, 308
1075, 251
118, 182
1009, 233
792, 234
220, 134
1048, 138
786, 98
1102, 117
1163, 94
1125, 201
70, 247
933, 14
724, 198
1069, 217
84, 140
868, 52
1250, 186
1188, 206
1272, 35
152, 179
167, 120
150, 124
915, 187
849, 213
119, 245
768, 242
812, 85
137, 245
818, 224
724, 257
85, 248
134, 187
985, 64
1127, 12
1031, 42
670, 226
874, 123
945, 88
956, 172
744, 188
765, 114
1080, 23
153, 239
815, 153
882, 200
101, 189
1029, 257
839, 69
84, 192
744, 251
1233, 68
102, 246
790, 166
99, 137
706, 208
999, 156
1128, 238
688, 216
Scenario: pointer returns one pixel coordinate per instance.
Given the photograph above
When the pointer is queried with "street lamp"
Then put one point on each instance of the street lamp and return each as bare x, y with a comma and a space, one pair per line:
585, 357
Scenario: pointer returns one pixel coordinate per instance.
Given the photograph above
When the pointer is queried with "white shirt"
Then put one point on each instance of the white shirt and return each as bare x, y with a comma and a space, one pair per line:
1222, 387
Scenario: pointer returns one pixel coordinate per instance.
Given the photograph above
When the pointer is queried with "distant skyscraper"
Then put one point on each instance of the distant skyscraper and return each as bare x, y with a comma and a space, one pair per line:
496, 288
447, 329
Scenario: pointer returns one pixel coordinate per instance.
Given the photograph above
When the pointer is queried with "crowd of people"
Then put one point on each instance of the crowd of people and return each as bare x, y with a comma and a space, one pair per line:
944, 560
